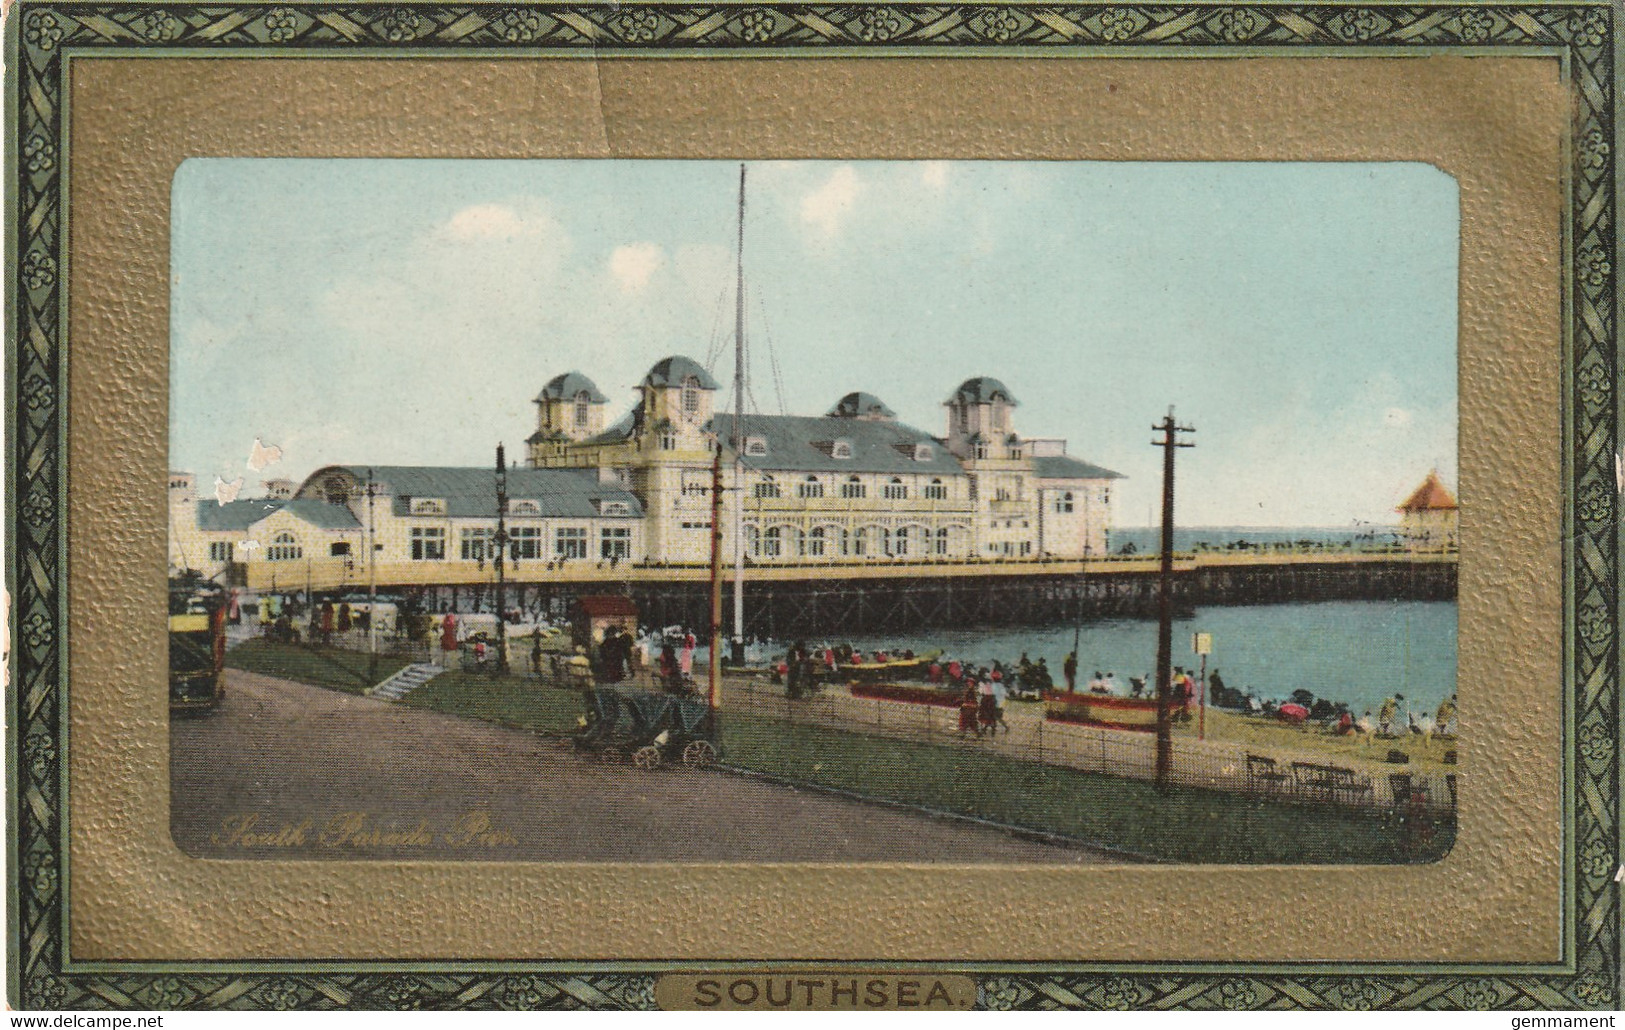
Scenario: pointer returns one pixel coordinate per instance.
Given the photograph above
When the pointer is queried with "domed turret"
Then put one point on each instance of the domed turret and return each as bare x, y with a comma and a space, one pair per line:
979, 411
569, 408
862, 405
568, 387
678, 390
983, 390
676, 370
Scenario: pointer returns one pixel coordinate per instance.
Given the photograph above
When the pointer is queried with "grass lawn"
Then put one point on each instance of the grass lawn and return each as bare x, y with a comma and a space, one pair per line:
1182, 825
329, 667
1185, 825
509, 700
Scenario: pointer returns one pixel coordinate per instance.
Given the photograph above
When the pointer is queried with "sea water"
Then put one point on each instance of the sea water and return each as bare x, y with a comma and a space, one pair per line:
1356, 652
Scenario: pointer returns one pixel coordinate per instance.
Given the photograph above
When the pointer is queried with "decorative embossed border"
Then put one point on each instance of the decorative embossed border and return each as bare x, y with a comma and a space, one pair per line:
44, 34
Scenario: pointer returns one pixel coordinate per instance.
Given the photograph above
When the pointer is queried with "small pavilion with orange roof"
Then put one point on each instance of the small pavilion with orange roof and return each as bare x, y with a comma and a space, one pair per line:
1427, 518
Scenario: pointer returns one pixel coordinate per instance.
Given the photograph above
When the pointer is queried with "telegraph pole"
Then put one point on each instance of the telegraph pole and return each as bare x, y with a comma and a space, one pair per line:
1165, 610
714, 685
501, 542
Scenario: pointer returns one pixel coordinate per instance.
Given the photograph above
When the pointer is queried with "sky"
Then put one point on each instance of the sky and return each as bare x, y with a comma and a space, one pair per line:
1302, 317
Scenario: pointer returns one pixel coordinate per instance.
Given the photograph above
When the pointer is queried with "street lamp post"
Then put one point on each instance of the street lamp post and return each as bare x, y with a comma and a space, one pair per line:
501, 542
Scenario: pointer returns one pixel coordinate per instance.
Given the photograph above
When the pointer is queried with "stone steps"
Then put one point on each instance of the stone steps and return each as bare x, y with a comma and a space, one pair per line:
405, 681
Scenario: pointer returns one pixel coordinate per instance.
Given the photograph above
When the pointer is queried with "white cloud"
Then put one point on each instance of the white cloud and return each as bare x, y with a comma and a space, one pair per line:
828, 205
633, 264
485, 222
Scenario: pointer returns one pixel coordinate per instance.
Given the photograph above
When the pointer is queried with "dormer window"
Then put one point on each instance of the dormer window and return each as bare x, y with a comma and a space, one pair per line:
922, 452
428, 506
756, 447
841, 449
614, 508
526, 508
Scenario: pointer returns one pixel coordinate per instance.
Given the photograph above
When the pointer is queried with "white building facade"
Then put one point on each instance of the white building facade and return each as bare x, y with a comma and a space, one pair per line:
853, 486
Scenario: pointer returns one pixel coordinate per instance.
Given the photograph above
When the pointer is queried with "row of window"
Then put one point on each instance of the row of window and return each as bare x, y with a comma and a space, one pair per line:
829, 541
429, 543
853, 488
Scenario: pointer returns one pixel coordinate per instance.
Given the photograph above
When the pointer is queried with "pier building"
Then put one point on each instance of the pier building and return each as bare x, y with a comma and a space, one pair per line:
852, 484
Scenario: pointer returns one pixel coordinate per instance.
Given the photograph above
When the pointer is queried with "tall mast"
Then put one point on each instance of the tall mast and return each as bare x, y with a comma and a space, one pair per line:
739, 442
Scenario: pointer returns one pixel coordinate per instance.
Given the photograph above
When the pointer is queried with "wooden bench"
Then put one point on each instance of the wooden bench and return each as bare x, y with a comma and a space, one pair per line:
1329, 783
1262, 775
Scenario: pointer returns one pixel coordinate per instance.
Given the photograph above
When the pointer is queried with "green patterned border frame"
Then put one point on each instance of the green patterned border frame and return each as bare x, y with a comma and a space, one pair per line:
44, 35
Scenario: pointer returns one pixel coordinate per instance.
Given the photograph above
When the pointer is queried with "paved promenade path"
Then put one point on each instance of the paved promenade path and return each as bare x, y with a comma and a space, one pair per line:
293, 771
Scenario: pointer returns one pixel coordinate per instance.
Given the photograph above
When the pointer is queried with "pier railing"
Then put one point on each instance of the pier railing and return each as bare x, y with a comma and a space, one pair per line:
327, 574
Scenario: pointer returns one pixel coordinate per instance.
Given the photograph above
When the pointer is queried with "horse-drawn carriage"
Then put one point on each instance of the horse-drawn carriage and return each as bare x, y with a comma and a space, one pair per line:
649, 728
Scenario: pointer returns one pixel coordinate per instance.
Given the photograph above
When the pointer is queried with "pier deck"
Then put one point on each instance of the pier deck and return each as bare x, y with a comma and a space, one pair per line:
886, 596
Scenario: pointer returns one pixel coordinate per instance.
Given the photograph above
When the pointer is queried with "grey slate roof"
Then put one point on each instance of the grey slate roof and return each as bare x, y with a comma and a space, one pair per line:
673, 370
566, 386
802, 443
472, 492
235, 516
855, 404
1062, 467
982, 390
321, 514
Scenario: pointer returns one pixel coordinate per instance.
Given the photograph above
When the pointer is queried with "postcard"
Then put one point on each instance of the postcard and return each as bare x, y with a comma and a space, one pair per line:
1068, 554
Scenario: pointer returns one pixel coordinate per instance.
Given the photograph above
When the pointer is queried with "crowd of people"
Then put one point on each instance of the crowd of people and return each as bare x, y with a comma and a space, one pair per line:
289, 620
